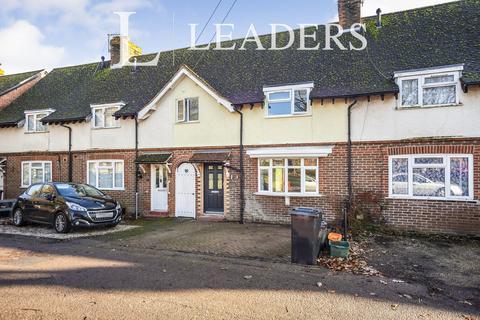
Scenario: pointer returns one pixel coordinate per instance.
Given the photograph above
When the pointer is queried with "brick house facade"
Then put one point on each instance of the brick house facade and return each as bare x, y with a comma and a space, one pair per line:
370, 185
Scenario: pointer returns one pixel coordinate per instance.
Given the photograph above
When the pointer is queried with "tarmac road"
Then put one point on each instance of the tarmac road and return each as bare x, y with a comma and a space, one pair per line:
92, 279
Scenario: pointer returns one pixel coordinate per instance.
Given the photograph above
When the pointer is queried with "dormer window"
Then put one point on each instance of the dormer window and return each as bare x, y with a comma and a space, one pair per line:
288, 100
33, 121
429, 88
103, 116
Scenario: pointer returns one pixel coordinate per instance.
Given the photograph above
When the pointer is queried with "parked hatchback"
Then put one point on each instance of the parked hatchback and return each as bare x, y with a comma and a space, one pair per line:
66, 206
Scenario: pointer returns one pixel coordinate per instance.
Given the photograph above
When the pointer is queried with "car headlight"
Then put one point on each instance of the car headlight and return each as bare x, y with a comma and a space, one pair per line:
118, 207
75, 207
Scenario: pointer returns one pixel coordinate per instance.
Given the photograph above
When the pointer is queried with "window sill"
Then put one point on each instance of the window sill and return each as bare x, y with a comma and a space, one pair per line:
122, 189
291, 195
433, 199
302, 115
187, 122
108, 128
416, 107
36, 132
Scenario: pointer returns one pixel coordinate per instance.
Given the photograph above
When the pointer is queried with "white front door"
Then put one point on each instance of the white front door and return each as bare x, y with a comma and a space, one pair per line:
185, 191
159, 182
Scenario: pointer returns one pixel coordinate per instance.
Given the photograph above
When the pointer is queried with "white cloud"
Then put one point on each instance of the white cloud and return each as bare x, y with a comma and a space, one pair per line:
23, 49
370, 6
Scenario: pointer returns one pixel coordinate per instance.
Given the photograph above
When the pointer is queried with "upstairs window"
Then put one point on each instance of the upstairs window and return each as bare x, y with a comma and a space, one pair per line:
187, 110
103, 117
429, 89
444, 177
288, 101
33, 121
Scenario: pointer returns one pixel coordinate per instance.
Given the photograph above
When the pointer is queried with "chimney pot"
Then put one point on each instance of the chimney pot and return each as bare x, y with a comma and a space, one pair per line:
379, 18
349, 12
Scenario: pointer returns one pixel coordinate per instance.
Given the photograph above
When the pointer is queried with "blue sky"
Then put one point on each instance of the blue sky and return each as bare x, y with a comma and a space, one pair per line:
37, 34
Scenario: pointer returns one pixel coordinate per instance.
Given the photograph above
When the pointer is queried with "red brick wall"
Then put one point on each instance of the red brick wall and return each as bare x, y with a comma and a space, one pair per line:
370, 185
8, 98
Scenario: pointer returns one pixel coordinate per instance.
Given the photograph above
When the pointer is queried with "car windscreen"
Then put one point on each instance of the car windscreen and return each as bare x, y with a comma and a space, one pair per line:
78, 190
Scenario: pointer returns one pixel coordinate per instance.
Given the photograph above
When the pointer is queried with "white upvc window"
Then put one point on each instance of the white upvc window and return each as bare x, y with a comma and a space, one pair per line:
296, 176
33, 120
430, 88
36, 172
288, 100
431, 176
106, 174
187, 110
103, 116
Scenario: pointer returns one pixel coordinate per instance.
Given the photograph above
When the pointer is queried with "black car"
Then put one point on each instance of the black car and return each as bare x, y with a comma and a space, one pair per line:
66, 206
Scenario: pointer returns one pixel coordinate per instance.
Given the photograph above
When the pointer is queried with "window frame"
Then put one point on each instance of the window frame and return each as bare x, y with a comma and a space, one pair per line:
446, 165
113, 162
285, 168
43, 163
291, 90
186, 110
35, 114
421, 85
103, 108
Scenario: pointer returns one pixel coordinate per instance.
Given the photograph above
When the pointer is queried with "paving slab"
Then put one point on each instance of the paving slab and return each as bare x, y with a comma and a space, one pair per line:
257, 241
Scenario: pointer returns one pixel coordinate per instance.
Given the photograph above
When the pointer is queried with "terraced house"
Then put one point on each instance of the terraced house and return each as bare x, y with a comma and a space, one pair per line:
11, 87
392, 130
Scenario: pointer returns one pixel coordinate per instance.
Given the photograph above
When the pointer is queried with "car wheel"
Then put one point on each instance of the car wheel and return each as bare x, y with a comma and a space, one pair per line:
61, 224
18, 219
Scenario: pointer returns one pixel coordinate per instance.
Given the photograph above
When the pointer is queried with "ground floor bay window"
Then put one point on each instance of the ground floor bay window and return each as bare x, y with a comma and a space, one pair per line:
443, 177
106, 174
288, 176
289, 171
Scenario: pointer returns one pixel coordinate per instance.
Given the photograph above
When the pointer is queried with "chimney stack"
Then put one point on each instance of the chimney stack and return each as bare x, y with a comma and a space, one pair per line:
349, 12
130, 50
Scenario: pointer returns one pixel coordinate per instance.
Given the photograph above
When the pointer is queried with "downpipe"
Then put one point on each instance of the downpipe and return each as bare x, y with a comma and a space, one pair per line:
70, 156
242, 181
348, 205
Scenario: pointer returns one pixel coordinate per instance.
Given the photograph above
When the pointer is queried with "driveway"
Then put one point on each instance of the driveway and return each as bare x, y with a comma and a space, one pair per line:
264, 242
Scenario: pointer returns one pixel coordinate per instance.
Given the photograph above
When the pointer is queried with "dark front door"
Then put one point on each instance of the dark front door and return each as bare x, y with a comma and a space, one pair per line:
213, 188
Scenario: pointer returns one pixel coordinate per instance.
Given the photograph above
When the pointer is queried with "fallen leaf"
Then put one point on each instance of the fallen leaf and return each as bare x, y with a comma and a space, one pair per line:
247, 277
394, 306
319, 284
466, 302
407, 296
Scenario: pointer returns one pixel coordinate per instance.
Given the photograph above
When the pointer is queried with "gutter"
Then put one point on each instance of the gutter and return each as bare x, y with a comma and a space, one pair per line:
349, 169
242, 180
70, 156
